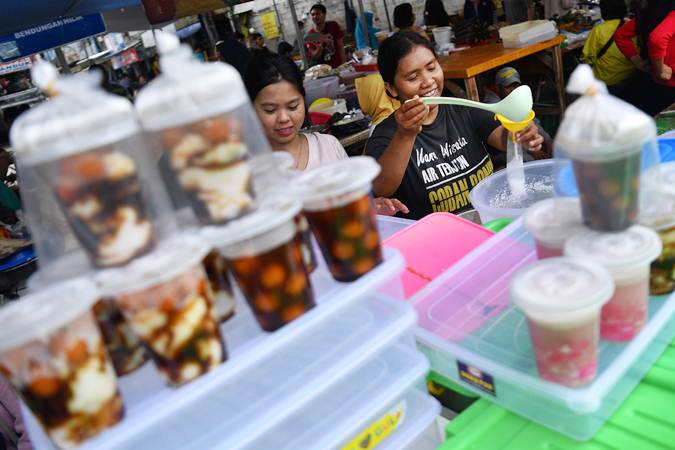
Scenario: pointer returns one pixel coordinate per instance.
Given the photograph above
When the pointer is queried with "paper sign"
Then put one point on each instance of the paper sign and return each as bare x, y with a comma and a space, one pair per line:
269, 23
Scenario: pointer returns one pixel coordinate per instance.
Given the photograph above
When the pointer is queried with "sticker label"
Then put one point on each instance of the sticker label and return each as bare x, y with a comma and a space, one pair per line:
476, 377
379, 430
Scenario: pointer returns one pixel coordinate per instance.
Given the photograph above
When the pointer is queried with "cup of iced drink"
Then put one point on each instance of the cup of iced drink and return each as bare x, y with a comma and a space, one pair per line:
337, 203
551, 222
627, 256
124, 347
265, 258
208, 160
561, 298
224, 301
657, 211
272, 173
166, 298
53, 354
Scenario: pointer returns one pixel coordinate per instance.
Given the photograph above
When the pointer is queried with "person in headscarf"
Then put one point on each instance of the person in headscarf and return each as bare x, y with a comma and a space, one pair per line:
361, 35
373, 99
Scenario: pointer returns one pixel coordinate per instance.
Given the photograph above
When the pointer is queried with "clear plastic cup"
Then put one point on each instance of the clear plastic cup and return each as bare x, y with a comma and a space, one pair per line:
627, 255
551, 222
337, 203
167, 299
52, 352
124, 347
272, 174
224, 301
561, 298
657, 212
265, 258
206, 166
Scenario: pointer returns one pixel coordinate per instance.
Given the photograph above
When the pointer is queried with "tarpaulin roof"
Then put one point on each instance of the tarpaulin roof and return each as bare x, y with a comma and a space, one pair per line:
16, 15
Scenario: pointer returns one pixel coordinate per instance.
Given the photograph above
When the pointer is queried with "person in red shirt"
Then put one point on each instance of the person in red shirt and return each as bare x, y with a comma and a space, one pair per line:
653, 30
325, 42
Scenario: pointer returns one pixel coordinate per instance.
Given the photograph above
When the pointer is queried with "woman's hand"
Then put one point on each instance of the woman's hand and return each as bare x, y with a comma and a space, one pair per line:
389, 206
640, 63
661, 70
410, 116
530, 138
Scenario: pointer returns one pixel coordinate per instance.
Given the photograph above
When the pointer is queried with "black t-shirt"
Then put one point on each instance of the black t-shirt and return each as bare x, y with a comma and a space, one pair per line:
448, 159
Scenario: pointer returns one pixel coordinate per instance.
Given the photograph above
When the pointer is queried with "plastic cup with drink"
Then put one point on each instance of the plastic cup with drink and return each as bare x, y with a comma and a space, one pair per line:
551, 222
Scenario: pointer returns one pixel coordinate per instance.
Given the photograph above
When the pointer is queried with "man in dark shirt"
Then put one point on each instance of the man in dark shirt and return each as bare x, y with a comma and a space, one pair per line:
325, 42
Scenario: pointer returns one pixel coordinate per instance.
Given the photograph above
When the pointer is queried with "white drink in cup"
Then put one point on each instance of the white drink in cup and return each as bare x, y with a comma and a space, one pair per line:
265, 258
551, 222
167, 299
627, 255
52, 352
561, 298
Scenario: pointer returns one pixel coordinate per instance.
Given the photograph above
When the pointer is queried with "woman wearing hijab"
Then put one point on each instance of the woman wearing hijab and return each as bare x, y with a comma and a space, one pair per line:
435, 14
361, 35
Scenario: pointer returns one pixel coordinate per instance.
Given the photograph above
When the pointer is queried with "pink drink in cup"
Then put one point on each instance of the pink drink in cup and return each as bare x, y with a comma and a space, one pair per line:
561, 298
551, 222
627, 255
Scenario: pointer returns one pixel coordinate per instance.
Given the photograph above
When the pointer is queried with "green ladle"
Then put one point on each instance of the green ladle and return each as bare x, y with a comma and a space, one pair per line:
515, 106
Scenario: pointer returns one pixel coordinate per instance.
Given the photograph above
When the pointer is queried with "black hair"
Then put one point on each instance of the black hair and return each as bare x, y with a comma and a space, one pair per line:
239, 36
404, 16
395, 48
284, 49
318, 6
266, 69
255, 36
613, 9
301, 24
649, 17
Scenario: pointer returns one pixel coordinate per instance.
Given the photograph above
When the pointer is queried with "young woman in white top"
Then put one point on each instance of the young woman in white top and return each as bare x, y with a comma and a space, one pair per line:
275, 87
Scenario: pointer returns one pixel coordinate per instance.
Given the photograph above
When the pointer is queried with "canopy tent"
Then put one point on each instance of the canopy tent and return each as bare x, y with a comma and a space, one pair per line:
20, 15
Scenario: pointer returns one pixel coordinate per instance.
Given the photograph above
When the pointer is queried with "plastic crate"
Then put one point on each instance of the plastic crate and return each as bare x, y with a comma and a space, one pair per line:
268, 375
467, 321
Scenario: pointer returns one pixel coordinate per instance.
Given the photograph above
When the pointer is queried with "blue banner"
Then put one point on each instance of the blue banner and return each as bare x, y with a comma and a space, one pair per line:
49, 35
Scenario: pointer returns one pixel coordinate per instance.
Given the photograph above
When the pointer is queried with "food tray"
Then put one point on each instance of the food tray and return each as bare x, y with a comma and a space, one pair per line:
466, 320
352, 322
348, 414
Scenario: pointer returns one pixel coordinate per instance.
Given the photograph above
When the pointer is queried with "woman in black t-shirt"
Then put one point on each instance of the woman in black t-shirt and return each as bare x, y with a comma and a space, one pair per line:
431, 156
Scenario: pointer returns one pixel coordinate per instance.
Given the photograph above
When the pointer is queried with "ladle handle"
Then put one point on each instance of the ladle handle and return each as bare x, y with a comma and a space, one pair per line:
458, 101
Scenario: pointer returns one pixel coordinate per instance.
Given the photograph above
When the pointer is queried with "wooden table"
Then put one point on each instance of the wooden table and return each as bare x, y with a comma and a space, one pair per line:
467, 64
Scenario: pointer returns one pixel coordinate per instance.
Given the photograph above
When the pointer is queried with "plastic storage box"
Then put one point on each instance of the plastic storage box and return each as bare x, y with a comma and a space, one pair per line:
321, 87
527, 33
269, 376
472, 335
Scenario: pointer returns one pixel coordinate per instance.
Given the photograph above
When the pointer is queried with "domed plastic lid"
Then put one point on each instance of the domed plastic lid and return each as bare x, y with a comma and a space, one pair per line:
43, 311
554, 220
661, 177
187, 90
269, 226
598, 126
169, 260
330, 185
81, 117
619, 252
657, 208
561, 290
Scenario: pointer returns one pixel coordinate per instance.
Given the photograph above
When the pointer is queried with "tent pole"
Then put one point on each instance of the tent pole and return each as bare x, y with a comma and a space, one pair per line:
364, 24
299, 36
386, 11
279, 21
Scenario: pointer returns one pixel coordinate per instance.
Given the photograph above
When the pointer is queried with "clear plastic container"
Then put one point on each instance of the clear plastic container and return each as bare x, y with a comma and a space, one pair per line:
268, 376
337, 204
90, 196
527, 33
166, 298
52, 352
552, 222
628, 256
323, 87
264, 254
561, 298
657, 211
465, 318
203, 131
493, 199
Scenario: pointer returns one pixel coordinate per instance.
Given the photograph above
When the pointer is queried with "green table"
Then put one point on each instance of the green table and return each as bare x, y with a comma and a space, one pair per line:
645, 421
